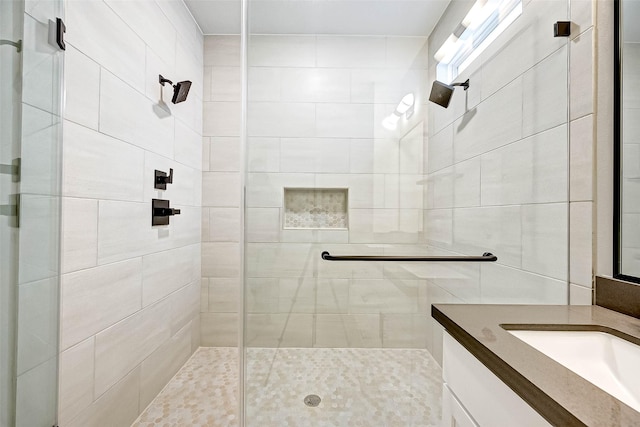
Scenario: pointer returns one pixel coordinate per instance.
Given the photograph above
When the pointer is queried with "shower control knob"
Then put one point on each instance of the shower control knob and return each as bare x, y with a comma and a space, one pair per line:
161, 212
162, 179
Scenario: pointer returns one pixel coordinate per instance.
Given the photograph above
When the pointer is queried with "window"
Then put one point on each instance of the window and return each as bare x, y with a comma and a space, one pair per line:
479, 28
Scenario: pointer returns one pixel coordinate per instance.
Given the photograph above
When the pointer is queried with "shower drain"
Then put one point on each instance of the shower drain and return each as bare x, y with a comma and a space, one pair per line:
312, 400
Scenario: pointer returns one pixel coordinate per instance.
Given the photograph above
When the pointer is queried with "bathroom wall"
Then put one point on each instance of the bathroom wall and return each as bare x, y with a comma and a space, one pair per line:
221, 192
316, 105
130, 291
510, 163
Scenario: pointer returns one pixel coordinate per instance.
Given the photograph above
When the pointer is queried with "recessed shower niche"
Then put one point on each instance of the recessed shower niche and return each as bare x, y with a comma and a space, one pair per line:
316, 208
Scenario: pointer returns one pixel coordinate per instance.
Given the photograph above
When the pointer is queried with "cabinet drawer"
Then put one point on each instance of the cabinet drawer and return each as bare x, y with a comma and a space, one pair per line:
453, 413
488, 400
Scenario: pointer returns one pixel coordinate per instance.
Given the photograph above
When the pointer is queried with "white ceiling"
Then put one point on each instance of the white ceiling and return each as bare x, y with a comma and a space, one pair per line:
354, 17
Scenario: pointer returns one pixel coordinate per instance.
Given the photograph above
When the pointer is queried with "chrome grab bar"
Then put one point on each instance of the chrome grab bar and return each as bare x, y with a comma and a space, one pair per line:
486, 257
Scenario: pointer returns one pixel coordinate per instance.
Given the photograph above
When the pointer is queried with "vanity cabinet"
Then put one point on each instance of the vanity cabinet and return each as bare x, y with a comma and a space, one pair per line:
473, 396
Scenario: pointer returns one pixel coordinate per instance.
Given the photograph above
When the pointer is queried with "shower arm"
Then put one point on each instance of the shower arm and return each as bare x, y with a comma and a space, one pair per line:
464, 84
163, 80
486, 257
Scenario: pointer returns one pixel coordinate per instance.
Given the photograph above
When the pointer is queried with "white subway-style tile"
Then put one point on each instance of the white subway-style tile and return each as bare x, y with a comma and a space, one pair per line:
348, 331
489, 229
544, 100
545, 239
82, 87
222, 51
225, 84
221, 259
122, 347
101, 34
497, 285
221, 119
264, 84
90, 157
580, 295
533, 170
167, 271
224, 225
282, 51
344, 120
146, 19
581, 99
581, 243
263, 154
219, 329
97, 298
351, 52
119, 405
581, 157
185, 306
493, 123
127, 114
162, 364
76, 380
269, 119
221, 189
279, 330
263, 225
187, 147
79, 234
223, 295
224, 154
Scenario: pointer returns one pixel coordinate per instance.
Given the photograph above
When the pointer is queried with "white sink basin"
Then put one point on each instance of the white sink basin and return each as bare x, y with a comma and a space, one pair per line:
605, 360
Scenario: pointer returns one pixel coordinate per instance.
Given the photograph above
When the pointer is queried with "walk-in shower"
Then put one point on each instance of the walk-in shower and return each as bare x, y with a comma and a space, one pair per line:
325, 203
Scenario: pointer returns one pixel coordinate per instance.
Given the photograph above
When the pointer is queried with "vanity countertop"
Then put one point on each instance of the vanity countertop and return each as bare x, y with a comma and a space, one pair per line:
562, 397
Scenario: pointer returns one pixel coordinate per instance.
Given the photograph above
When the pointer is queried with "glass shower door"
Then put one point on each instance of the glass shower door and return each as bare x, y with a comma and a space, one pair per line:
30, 115
346, 155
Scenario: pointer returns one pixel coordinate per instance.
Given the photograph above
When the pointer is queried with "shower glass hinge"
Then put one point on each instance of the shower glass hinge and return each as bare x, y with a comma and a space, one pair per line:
17, 45
13, 169
12, 210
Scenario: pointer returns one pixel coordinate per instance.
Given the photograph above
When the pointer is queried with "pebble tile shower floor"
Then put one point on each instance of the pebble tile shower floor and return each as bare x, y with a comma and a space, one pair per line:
358, 387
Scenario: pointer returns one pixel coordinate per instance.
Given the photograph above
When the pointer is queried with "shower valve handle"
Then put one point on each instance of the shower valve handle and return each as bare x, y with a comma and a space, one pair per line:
162, 179
165, 212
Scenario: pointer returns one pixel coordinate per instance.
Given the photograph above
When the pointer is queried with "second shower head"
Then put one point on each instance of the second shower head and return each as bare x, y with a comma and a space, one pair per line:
441, 92
180, 89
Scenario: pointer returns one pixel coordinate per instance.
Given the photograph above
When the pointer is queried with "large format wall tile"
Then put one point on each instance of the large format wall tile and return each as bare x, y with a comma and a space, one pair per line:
82, 89
125, 345
96, 298
128, 115
99, 33
90, 158
128, 288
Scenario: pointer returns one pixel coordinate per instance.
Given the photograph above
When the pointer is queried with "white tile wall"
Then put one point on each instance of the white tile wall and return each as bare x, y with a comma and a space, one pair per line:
93, 299
83, 87
128, 303
126, 344
519, 120
100, 33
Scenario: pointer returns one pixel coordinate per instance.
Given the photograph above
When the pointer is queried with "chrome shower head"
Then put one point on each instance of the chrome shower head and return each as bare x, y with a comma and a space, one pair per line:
441, 92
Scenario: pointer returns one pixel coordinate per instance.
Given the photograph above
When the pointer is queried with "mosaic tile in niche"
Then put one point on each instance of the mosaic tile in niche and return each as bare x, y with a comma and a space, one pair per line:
315, 208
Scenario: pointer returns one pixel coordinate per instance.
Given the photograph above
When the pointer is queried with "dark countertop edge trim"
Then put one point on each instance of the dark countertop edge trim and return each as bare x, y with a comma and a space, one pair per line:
548, 408
618, 295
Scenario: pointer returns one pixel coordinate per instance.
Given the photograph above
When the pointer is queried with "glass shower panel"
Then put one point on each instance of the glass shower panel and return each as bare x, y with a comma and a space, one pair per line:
30, 212
345, 154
